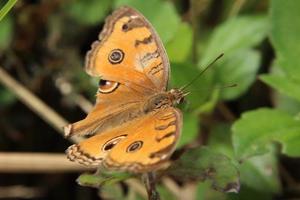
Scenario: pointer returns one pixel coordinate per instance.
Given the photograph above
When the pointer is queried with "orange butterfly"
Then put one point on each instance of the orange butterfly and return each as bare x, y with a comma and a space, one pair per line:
134, 125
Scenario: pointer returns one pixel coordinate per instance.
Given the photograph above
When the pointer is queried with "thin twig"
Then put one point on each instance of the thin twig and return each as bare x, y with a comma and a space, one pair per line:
21, 192
66, 89
34, 103
137, 186
37, 163
172, 186
83, 103
237, 6
188, 191
50, 163
149, 181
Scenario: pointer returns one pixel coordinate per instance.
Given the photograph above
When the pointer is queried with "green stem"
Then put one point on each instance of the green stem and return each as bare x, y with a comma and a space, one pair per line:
6, 8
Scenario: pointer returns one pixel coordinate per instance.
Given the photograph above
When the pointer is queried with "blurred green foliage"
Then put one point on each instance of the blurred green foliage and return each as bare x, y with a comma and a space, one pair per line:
94, 11
6, 97
285, 39
256, 129
236, 38
240, 150
102, 179
6, 32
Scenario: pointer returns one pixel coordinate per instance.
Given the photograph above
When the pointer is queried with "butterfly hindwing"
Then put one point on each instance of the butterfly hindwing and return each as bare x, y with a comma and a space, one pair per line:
137, 146
150, 144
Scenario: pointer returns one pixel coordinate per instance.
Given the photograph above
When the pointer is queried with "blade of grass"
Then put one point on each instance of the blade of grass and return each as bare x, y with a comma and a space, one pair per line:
6, 8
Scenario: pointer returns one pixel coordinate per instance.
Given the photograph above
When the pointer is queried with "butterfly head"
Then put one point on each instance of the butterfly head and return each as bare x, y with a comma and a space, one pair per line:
177, 96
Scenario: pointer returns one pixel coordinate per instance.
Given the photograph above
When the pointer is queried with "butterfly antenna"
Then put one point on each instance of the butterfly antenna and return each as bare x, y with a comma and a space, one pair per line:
202, 72
226, 86
216, 88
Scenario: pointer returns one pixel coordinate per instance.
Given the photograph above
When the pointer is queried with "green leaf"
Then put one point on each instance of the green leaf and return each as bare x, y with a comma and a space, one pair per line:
97, 180
205, 164
283, 84
253, 133
235, 37
161, 14
164, 193
260, 173
285, 35
259, 178
190, 128
179, 47
114, 191
235, 34
220, 140
89, 12
6, 32
239, 68
6, 8
204, 191
285, 39
208, 106
287, 87
248, 194
286, 104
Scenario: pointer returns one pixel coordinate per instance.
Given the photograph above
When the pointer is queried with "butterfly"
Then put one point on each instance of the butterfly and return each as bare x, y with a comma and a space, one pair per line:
134, 125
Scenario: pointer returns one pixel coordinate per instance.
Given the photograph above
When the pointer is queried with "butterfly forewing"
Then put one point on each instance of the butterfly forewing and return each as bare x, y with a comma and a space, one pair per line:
144, 61
111, 109
131, 55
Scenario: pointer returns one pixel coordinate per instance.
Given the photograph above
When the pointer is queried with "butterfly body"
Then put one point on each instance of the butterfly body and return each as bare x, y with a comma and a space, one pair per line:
163, 100
134, 125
